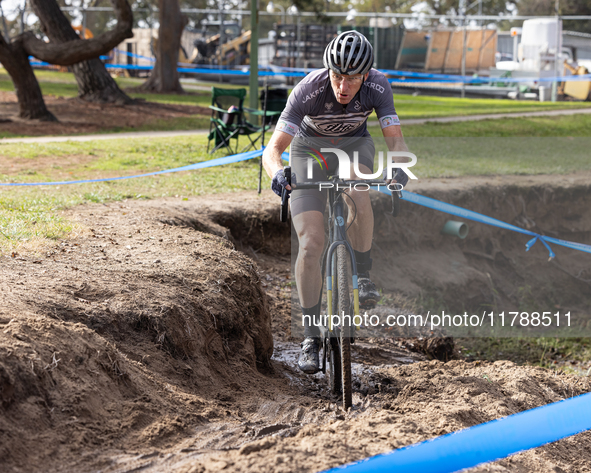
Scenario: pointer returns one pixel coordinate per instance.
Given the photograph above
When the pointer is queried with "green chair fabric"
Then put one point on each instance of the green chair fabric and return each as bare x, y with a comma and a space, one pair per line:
228, 122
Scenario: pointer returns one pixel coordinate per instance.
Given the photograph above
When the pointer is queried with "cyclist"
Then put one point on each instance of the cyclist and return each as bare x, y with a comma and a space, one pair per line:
335, 103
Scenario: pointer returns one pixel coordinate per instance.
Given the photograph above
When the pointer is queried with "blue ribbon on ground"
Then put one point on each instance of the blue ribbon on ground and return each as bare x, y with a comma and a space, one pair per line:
485, 442
477, 217
205, 164
235, 158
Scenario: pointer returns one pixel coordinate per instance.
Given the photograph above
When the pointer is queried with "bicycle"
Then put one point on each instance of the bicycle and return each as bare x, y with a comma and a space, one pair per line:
336, 340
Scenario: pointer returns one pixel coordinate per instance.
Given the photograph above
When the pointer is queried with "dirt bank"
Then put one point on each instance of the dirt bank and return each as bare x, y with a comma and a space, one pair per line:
490, 269
127, 335
145, 343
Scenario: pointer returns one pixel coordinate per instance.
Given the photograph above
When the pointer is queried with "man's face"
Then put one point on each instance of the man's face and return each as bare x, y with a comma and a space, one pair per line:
345, 87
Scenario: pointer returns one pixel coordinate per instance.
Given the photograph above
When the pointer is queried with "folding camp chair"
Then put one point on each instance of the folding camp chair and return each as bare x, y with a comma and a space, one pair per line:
228, 122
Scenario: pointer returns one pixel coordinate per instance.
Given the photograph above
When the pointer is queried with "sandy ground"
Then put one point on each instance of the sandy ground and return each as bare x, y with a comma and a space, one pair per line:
158, 339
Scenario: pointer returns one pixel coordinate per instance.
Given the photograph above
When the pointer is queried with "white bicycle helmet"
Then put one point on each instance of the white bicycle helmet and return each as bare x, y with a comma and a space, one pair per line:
349, 53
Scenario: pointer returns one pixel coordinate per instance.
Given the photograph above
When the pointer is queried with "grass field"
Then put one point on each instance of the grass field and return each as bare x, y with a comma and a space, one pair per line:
464, 149
487, 147
31, 215
568, 354
64, 85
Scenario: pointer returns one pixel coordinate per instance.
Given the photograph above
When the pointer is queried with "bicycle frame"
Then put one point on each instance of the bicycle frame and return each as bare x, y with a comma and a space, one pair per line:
342, 336
337, 237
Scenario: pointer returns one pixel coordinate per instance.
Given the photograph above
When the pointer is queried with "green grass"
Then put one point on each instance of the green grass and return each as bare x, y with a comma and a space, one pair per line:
30, 217
563, 125
495, 147
194, 122
563, 353
63, 84
455, 157
408, 106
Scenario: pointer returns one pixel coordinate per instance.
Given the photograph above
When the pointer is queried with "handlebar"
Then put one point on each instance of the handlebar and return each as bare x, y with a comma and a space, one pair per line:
339, 184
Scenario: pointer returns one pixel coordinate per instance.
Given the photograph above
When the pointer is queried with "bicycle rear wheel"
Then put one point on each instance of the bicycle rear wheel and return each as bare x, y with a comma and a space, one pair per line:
344, 304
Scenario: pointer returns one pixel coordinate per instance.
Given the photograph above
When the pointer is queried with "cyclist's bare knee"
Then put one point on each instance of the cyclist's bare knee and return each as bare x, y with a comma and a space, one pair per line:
309, 227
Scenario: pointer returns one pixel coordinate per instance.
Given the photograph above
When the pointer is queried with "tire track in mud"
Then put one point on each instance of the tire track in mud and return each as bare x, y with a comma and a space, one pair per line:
297, 401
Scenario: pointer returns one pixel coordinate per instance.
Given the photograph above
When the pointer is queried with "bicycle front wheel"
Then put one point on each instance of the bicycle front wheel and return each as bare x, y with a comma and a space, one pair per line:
344, 305
334, 365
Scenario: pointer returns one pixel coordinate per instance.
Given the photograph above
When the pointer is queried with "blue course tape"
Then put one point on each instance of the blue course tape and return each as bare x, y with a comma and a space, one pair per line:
205, 164
485, 442
477, 217
490, 80
402, 76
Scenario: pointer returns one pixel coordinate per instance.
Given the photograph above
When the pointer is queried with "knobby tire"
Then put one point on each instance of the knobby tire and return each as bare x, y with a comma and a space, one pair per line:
334, 347
334, 366
344, 303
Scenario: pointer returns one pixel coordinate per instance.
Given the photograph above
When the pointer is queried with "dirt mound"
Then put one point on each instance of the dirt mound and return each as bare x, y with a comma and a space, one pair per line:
145, 343
125, 334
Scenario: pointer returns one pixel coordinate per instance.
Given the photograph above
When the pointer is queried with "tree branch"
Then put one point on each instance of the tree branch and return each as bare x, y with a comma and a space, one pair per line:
77, 50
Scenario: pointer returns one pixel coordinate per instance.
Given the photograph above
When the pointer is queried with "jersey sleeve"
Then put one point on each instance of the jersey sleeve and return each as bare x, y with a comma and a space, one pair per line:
384, 102
294, 112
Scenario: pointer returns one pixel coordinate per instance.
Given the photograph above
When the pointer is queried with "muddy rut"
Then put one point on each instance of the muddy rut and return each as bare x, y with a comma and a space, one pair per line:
159, 340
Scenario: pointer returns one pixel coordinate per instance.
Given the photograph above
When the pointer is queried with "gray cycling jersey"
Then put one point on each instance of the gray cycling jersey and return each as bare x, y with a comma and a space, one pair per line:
312, 108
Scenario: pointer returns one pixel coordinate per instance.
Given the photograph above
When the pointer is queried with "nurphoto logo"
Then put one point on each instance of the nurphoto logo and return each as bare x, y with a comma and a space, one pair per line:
345, 164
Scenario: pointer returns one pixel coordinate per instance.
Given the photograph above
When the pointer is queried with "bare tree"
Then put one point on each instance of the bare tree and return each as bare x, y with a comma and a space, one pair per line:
165, 77
69, 51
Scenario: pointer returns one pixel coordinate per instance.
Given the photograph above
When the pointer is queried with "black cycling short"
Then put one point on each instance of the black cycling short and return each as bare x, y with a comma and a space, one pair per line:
301, 153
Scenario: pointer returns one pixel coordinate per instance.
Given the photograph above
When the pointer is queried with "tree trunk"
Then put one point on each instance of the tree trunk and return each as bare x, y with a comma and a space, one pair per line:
30, 99
95, 84
165, 77
66, 50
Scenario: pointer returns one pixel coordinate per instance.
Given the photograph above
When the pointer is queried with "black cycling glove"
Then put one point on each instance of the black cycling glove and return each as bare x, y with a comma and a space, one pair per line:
280, 182
401, 177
